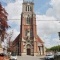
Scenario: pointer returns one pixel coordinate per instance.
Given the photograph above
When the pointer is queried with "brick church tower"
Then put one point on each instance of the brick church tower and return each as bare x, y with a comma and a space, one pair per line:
28, 42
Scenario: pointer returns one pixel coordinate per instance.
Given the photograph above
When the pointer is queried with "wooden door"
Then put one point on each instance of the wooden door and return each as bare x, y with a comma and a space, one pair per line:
28, 51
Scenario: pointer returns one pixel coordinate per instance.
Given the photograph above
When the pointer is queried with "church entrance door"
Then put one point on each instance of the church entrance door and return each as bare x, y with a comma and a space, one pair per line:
28, 51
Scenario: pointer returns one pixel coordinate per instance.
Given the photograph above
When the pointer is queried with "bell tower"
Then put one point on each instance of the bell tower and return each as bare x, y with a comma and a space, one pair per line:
28, 43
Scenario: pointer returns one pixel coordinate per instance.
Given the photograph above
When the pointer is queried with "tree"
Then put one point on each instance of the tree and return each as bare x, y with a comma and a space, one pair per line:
3, 22
7, 43
54, 48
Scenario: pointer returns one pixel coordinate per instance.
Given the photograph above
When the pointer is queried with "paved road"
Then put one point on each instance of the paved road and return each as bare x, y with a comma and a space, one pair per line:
28, 58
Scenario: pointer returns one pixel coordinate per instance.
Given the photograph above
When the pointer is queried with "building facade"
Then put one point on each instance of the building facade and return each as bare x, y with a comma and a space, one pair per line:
28, 42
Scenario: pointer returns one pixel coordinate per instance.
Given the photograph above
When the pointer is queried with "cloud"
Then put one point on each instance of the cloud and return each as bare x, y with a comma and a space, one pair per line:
14, 9
55, 10
7, 1
45, 17
14, 24
47, 24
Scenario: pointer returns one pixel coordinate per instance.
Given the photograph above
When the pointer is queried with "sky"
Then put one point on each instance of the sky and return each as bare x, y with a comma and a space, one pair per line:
47, 19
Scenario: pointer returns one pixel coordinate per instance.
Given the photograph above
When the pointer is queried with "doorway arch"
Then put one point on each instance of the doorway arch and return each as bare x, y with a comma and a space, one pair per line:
28, 49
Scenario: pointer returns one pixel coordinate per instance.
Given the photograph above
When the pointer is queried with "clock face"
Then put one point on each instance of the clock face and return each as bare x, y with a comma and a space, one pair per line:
28, 0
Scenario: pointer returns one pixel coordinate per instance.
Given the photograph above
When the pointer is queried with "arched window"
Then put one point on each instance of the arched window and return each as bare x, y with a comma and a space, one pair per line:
30, 8
26, 31
28, 20
31, 33
26, 8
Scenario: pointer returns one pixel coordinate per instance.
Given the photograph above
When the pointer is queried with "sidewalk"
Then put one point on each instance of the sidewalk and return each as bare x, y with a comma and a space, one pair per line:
42, 56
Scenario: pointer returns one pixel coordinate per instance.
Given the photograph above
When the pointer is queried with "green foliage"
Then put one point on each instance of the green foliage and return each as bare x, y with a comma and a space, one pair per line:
54, 48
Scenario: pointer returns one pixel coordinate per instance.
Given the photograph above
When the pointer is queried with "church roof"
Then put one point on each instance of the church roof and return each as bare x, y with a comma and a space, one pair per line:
39, 39
16, 40
14, 43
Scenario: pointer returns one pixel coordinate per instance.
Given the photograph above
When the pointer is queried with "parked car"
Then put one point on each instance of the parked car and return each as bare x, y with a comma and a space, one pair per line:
57, 53
57, 56
13, 56
49, 57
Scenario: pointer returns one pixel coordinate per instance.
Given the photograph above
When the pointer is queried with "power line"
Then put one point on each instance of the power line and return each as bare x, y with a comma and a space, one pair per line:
35, 20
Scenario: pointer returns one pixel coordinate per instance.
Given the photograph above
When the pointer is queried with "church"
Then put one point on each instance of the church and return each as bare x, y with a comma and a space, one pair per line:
28, 42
